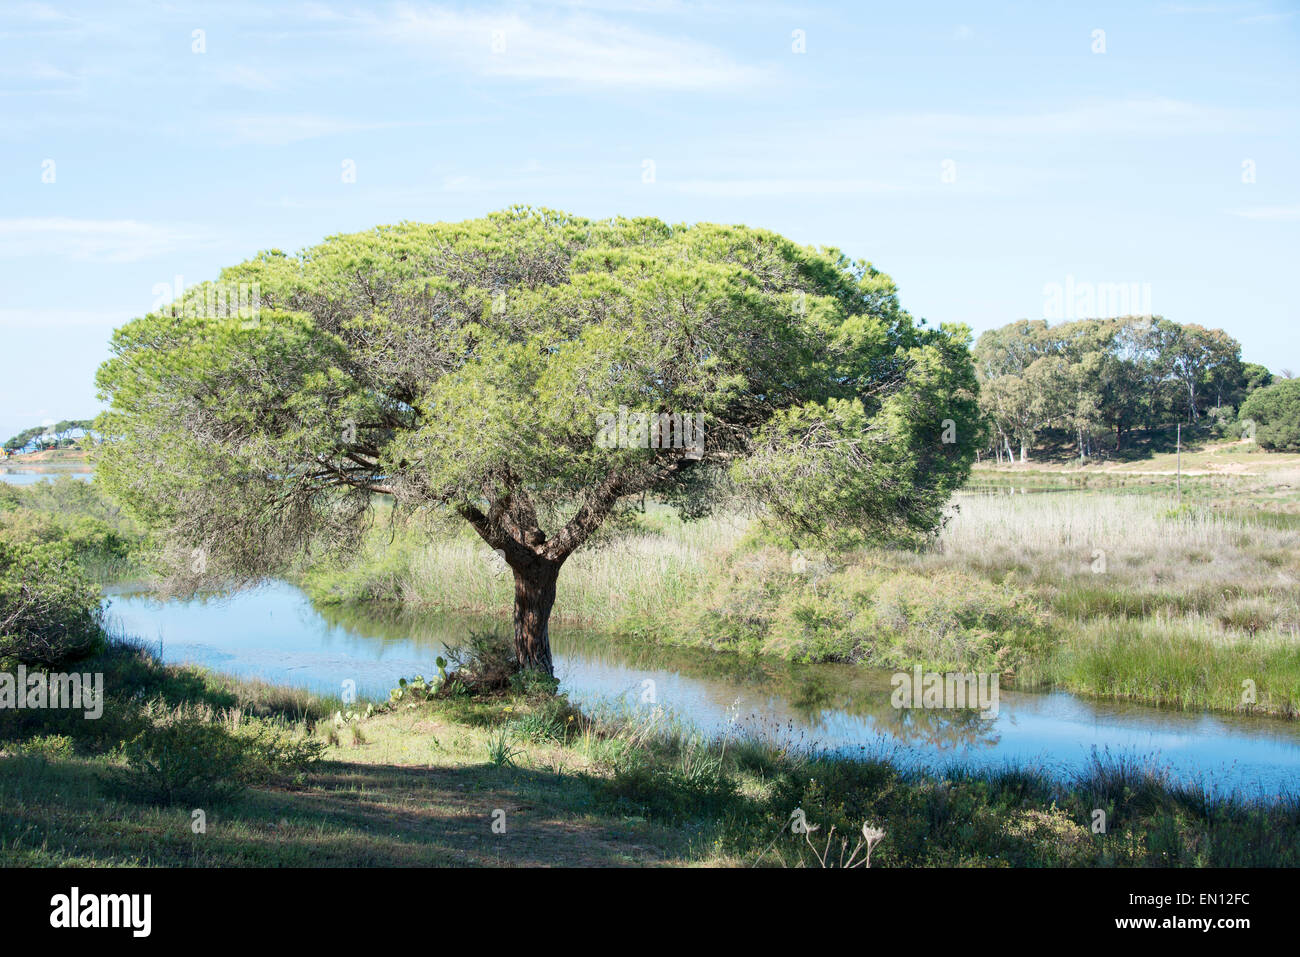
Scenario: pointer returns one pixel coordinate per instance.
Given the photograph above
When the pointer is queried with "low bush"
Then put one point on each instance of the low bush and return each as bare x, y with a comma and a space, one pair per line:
485, 663
47, 746
865, 613
185, 758
50, 611
192, 756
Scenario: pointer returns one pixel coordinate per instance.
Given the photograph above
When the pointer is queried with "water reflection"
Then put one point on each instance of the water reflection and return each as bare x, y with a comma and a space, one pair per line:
276, 634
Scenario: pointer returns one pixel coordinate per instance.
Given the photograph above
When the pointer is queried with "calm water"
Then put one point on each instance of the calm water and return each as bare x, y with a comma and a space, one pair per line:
28, 475
275, 633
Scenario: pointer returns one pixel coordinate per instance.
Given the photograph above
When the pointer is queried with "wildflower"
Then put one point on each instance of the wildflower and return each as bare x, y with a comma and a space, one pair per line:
872, 836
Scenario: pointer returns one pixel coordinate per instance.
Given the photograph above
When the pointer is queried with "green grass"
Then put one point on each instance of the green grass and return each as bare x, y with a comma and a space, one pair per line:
426, 780
1180, 663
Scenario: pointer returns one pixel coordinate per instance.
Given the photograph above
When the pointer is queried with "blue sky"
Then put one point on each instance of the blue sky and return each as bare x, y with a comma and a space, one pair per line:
977, 153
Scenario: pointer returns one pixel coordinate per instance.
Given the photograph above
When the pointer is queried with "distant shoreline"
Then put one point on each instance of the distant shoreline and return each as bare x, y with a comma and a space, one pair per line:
54, 459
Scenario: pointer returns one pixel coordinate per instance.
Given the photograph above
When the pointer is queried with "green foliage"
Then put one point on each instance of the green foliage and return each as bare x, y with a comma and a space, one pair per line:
501, 752
863, 612
47, 746
485, 663
1255, 376
411, 691
467, 365
189, 757
273, 753
1275, 410
50, 611
106, 543
186, 758
693, 785
1092, 376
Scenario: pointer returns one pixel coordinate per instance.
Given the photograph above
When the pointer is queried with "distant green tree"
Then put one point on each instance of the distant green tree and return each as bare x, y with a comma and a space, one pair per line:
1253, 377
23, 438
1013, 365
1203, 362
1092, 375
473, 368
1275, 411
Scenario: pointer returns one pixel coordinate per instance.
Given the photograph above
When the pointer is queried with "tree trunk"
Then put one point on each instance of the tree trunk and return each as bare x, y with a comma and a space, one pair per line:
534, 599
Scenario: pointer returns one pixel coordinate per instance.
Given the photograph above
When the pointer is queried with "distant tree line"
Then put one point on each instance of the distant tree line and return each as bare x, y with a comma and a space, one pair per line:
1099, 380
59, 435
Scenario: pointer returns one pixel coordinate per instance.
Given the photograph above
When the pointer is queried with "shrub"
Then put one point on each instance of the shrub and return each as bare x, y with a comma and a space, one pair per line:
1275, 410
47, 746
104, 541
185, 758
49, 609
865, 611
272, 753
692, 790
190, 756
486, 663
553, 718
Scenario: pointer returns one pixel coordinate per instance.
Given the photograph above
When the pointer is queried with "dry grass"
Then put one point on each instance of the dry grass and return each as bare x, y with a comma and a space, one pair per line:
656, 566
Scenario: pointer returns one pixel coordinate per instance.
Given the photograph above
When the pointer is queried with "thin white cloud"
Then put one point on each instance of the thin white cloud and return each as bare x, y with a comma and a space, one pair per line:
1227, 9
245, 77
281, 129
1273, 213
104, 240
38, 78
42, 19
1201, 7
578, 49
1131, 116
40, 12
806, 186
1268, 17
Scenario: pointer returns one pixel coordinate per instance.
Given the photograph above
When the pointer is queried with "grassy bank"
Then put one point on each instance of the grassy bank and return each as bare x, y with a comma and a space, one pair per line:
1114, 587
424, 779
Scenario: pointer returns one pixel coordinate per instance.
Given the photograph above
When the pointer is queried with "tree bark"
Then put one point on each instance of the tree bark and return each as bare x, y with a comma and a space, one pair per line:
534, 598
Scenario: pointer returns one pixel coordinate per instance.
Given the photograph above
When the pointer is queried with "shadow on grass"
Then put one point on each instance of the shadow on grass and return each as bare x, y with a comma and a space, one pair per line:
344, 815
1057, 447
